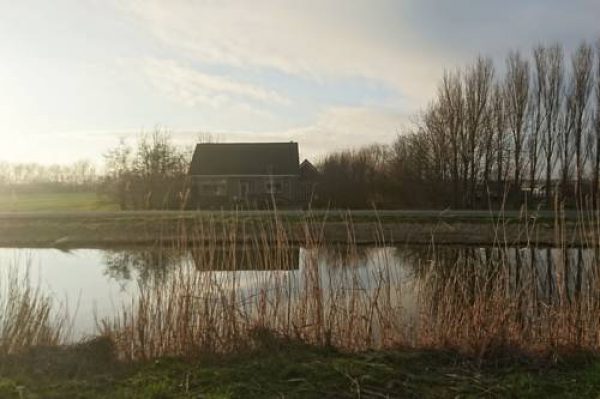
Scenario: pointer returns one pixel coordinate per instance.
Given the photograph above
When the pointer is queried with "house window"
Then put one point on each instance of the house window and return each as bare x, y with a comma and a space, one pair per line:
214, 188
274, 187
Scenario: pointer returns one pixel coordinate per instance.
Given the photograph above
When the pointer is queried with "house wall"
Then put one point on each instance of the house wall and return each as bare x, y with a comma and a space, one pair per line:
250, 191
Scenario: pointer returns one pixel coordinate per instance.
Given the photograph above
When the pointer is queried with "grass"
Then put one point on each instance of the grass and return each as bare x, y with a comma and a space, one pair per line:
46, 202
295, 371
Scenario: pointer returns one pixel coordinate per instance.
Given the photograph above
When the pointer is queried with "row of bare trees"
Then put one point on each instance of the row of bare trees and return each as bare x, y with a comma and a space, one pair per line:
534, 130
80, 175
529, 131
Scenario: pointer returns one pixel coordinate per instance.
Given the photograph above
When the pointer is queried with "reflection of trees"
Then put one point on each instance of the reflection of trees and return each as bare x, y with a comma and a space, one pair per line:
504, 296
156, 263
541, 275
530, 274
143, 264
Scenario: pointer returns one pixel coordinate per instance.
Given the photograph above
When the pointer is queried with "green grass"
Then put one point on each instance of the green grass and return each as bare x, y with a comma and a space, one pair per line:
295, 372
30, 202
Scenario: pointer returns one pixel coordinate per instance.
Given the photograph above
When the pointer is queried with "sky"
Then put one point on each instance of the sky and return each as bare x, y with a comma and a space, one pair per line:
77, 76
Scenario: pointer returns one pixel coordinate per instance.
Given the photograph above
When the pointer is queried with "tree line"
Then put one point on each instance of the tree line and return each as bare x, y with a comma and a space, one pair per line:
28, 177
530, 133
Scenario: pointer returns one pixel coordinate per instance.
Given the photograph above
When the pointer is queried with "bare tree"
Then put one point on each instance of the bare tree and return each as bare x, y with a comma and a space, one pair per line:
517, 97
451, 104
501, 145
596, 132
549, 65
580, 91
536, 115
478, 84
152, 176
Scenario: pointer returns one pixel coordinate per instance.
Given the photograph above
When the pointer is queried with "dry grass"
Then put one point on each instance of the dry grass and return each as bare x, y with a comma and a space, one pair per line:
28, 317
474, 300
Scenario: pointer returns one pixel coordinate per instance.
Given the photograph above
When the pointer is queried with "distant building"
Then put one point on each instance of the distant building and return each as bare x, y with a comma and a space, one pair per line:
246, 175
309, 177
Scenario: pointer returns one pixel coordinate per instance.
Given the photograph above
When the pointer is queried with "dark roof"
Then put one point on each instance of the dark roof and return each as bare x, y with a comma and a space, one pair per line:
245, 159
308, 170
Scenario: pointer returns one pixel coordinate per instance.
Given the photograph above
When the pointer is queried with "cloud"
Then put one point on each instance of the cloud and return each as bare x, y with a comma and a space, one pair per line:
192, 87
341, 128
330, 74
335, 128
405, 44
317, 39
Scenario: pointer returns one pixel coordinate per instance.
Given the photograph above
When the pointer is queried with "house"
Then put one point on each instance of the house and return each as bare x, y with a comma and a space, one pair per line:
245, 174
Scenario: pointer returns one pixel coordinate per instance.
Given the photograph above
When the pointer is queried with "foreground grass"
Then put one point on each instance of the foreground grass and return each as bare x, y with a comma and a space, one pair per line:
46, 202
294, 371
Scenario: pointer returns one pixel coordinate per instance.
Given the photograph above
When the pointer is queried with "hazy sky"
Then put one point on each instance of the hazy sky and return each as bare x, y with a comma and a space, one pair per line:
77, 75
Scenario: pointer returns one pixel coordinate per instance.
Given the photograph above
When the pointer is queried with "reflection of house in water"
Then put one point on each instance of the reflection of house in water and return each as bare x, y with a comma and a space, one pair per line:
223, 258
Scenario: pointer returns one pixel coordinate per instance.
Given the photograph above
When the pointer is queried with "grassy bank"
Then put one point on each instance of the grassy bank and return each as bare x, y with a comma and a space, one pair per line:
106, 229
291, 371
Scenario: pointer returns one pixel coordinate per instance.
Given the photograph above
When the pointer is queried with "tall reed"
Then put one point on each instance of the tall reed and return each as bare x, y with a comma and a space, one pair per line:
28, 317
475, 300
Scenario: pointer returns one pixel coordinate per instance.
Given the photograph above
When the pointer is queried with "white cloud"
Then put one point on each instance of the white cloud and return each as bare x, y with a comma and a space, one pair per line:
192, 87
330, 74
311, 38
348, 127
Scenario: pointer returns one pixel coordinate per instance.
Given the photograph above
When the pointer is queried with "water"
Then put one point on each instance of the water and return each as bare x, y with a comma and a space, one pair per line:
97, 284
81, 279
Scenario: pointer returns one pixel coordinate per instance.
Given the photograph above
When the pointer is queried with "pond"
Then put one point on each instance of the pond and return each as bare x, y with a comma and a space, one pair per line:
97, 284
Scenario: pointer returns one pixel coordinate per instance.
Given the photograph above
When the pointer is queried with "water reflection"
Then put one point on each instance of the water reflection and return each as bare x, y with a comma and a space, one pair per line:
239, 258
101, 281
543, 272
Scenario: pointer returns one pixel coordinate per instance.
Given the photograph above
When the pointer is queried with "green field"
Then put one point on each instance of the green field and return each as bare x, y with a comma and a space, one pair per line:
47, 202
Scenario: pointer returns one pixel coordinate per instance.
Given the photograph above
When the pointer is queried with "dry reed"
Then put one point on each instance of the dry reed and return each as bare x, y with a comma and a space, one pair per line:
28, 317
233, 286
475, 301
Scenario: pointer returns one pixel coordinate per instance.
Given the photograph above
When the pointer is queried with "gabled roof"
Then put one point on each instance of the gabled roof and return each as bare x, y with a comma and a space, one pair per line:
245, 159
308, 170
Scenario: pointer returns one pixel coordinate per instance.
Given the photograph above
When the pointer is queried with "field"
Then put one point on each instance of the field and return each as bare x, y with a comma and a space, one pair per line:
49, 202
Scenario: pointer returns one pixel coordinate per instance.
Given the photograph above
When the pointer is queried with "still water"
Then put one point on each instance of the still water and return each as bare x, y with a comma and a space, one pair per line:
98, 284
